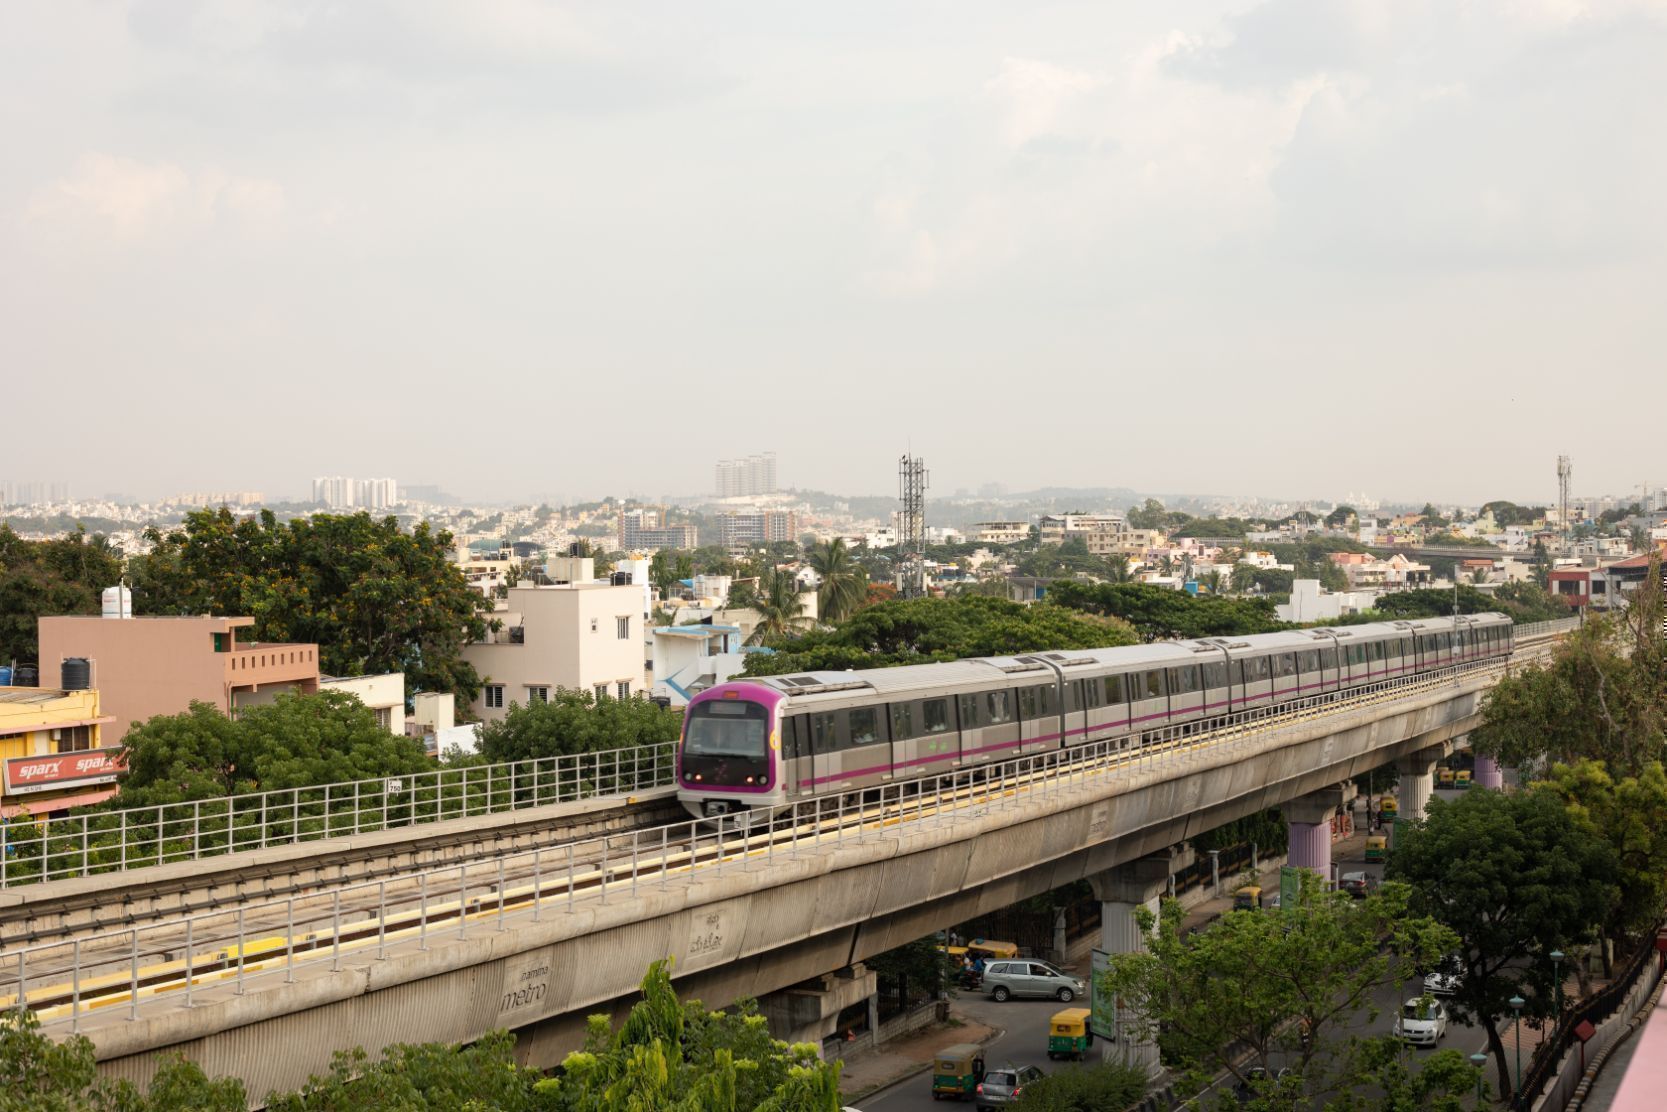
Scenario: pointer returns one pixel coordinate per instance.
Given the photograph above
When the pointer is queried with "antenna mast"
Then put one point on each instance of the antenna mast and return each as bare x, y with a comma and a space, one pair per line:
911, 541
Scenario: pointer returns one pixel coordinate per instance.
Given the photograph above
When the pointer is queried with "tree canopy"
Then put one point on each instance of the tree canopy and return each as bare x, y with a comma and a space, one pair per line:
1238, 984
925, 630
372, 596
65, 575
576, 722
297, 741
1158, 613
1515, 877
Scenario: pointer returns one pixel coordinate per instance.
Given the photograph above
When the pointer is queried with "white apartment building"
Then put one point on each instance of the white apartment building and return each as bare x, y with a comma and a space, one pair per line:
746, 477
1104, 534
384, 694
585, 636
338, 492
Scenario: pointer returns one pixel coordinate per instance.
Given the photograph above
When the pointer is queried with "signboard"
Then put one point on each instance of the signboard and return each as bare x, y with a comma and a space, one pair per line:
63, 770
1102, 1010
1290, 885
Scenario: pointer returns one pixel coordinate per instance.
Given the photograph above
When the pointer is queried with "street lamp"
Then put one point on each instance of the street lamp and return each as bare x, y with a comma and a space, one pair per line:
1480, 1061
1516, 1003
1557, 957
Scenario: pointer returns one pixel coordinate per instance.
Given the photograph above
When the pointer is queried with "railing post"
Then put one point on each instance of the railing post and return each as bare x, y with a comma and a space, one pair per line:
463, 891
240, 951
75, 989
289, 942
538, 883
336, 931
570, 884
190, 963
133, 982
381, 920
422, 911
501, 889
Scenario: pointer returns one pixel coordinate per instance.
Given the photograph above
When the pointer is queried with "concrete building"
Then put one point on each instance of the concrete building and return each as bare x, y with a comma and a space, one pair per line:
746, 477
581, 636
149, 666
338, 492
758, 527
647, 528
1311, 604
383, 694
688, 659
1002, 532
53, 752
1104, 534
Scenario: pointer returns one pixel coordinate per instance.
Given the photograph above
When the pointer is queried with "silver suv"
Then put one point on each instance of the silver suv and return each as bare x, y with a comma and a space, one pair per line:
1001, 1087
1004, 980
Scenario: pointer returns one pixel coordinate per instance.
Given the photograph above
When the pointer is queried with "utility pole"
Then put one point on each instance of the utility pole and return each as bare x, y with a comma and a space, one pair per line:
911, 476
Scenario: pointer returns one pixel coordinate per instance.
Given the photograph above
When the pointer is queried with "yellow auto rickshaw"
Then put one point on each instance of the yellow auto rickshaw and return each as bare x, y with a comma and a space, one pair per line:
1461, 779
956, 1072
1248, 898
1389, 807
1068, 1034
992, 949
1377, 847
1444, 778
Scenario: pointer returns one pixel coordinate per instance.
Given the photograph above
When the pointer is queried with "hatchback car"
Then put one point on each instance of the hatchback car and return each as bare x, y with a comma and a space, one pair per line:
1422, 1022
1002, 1087
1037, 979
1355, 884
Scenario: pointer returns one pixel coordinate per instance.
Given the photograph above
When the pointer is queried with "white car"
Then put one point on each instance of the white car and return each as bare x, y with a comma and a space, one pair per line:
1422, 1022
1443, 982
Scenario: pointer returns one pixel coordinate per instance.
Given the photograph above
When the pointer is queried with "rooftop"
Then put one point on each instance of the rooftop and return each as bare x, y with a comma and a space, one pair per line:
31, 694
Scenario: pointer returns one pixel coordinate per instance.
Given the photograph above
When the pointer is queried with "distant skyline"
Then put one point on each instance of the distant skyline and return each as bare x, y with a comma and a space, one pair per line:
510, 247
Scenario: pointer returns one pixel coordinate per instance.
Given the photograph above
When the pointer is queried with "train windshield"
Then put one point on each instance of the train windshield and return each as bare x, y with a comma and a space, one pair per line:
727, 728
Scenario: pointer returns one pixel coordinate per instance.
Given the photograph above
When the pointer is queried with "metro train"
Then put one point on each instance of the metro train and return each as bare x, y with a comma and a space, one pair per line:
769, 742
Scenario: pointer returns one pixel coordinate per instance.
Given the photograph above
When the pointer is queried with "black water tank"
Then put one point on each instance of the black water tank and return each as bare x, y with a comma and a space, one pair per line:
77, 673
25, 675
622, 579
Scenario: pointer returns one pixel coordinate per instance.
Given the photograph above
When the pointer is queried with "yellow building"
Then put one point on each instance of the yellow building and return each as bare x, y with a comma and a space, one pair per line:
52, 755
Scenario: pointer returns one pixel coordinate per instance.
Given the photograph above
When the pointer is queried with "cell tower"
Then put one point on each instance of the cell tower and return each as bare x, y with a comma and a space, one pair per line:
911, 540
1565, 475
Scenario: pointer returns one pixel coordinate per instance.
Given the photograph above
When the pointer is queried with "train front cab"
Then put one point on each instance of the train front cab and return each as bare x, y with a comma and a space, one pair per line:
729, 758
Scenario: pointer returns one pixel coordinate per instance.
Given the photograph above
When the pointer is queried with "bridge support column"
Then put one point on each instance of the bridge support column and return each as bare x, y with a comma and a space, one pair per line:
1417, 782
1120, 891
1308, 824
1488, 773
809, 1012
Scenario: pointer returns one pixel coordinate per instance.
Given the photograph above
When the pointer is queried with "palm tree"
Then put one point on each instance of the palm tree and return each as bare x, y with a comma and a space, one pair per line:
1186, 567
781, 612
1212, 582
1479, 575
844, 584
1244, 577
1117, 568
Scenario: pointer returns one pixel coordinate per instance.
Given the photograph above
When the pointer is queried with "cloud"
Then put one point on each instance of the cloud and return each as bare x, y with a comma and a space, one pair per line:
109, 198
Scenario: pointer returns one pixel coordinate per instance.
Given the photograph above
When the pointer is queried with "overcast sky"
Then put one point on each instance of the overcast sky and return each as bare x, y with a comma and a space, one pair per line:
1296, 248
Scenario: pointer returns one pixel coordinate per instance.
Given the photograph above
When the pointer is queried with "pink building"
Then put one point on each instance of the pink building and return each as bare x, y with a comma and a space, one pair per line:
149, 666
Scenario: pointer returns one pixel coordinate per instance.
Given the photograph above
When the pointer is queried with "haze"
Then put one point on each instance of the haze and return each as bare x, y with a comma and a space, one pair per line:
1298, 247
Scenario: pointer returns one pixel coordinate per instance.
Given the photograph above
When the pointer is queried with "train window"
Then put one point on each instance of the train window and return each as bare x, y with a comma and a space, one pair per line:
864, 724
1377, 650
790, 736
1215, 676
824, 732
935, 715
1255, 669
902, 721
1155, 686
1184, 680
1027, 704
1331, 658
1284, 664
1093, 693
1309, 660
1000, 706
1047, 699
969, 712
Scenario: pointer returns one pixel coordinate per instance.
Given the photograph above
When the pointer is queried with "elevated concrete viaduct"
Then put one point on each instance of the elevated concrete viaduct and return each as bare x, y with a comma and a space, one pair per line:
753, 925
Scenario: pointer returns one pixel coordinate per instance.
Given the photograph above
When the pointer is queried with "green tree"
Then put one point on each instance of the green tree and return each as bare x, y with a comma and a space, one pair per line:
1111, 1085
482, 1076
1149, 515
1117, 568
926, 630
1542, 565
44, 1075
1515, 877
921, 965
373, 597
1287, 982
1630, 816
576, 722
296, 741
844, 584
1341, 516
781, 612
1158, 613
66, 575
678, 1057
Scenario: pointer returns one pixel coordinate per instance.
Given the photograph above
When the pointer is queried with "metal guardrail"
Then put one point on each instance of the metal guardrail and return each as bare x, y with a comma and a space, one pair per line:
184, 957
117, 840
114, 841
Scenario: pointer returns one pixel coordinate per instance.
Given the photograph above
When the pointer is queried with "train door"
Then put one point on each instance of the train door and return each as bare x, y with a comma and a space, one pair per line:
1256, 680
1308, 672
1148, 699
1283, 669
827, 751
1038, 717
1218, 693
795, 748
997, 736
1186, 693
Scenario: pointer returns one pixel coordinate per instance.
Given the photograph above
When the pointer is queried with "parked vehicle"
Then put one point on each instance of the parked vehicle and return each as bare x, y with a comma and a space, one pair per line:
1355, 884
1068, 1034
1444, 778
1002, 1087
1248, 898
1389, 808
1444, 979
956, 1072
1377, 847
1035, 979
1422, 1022
1462, 779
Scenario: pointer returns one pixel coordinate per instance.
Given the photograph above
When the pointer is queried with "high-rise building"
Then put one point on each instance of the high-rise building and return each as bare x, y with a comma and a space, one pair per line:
761, 527
751, 475
338, 492
647, 528
33, 493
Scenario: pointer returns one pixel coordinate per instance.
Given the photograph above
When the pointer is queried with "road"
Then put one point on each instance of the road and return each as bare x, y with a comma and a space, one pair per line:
1024, 1038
